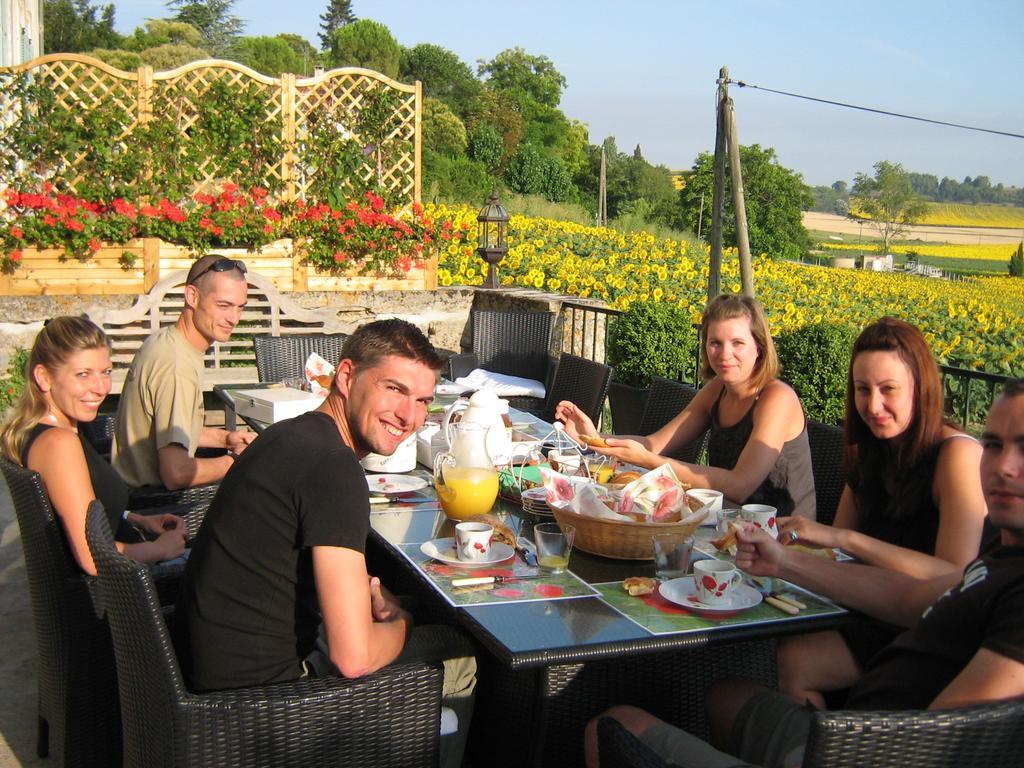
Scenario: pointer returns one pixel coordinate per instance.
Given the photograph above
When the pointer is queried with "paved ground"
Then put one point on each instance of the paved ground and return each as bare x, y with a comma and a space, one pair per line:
827, 222
17, 650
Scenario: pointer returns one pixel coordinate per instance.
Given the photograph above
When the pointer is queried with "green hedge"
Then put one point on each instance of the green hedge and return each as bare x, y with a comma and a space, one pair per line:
815, 359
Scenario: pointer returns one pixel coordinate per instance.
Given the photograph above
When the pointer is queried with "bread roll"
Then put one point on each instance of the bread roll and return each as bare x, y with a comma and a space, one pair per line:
639, 585
593, 440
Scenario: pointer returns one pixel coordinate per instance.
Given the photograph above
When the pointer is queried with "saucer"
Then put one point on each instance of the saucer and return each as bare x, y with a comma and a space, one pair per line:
444, 550
394, 485
683, 592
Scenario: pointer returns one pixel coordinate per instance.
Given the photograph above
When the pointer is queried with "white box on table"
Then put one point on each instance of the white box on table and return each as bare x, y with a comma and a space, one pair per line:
274, 405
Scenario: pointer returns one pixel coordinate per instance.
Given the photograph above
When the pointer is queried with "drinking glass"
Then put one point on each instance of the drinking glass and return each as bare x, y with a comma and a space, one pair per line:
671, 555
554, 544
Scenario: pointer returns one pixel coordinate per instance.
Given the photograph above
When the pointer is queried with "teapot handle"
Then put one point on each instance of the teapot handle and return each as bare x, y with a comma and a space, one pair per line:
457, 407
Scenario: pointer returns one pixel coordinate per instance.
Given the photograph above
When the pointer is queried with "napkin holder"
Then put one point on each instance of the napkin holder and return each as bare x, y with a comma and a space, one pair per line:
274, 405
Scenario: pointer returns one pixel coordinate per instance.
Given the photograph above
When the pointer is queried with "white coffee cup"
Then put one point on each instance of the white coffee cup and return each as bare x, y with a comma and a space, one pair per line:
762, 516
706, 496
714, 580
473, 541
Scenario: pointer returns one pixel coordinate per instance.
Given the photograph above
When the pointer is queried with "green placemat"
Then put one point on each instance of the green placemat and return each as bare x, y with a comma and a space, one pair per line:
660, 617
565, 585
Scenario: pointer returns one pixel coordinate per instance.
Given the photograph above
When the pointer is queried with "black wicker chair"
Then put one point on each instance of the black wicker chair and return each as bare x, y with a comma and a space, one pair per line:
580, 381
284, 357
190, 503
513, 343
389, 718
985, 736
826, 442
78, 711
618, 748
666, 399
100, 432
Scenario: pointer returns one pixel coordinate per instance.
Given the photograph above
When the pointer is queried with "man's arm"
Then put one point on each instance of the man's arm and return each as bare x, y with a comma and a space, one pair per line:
179, 470
989, 676
887, 595
235, 440
357, 643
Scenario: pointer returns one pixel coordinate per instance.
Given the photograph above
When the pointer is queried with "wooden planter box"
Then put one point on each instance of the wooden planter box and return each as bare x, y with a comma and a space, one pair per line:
49, 273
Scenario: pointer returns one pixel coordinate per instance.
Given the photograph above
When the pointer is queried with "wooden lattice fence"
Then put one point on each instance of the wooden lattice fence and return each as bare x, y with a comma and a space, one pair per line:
291, 106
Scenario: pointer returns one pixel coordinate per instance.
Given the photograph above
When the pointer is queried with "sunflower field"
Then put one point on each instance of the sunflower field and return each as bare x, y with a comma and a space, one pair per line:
972, 324
979, 252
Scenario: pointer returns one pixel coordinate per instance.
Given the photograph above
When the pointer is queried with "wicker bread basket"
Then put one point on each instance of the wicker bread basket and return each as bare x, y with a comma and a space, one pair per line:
622, 540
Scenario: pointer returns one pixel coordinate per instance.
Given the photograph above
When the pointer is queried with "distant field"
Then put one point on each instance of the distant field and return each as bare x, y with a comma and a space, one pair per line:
979, 258
959, 215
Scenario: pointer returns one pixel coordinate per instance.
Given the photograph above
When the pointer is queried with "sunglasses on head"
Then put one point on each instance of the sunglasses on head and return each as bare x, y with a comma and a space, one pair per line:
220, 265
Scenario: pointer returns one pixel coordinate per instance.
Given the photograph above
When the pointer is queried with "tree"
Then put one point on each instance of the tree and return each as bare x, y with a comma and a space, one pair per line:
366, 43
443, 131
443, 74
485, 147
76, 26
214, 20
774, 197
1017, 261
270, 56
498, 110
170, 56
304, 49
888, 200
525, 76
338, 14
163, 32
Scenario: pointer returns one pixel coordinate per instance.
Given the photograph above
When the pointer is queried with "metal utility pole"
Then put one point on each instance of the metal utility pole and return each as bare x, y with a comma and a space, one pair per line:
602, 193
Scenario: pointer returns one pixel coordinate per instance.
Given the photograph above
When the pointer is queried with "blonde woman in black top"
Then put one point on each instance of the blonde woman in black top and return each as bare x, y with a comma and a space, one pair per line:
67, 378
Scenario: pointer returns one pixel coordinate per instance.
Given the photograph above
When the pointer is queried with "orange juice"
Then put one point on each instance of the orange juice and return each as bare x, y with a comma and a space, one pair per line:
467, 491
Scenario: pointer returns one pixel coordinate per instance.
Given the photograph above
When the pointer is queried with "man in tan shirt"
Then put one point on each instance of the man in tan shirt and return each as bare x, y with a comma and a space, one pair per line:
160, 417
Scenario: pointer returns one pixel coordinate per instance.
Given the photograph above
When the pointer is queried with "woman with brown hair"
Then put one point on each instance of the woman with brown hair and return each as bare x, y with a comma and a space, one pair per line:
758, 450
913, 501
66, 380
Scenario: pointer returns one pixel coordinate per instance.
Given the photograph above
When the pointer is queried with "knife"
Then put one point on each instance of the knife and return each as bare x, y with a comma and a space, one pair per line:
474, 580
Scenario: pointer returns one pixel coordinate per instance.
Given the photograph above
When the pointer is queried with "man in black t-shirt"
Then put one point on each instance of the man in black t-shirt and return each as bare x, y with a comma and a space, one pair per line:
276, 587
965, 645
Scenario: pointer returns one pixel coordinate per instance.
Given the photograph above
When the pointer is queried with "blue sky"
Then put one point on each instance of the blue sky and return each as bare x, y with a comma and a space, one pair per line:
644, 71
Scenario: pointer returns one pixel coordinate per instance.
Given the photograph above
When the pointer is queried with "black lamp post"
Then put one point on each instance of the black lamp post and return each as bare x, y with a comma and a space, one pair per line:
492, 227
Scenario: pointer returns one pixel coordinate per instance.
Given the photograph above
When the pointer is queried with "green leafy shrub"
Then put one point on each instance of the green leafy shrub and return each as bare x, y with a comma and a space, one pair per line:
1017, 261
814, 360
650, 339
13, 382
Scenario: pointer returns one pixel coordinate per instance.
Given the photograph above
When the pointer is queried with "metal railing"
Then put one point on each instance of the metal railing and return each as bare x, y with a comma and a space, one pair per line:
968, 394
584, 333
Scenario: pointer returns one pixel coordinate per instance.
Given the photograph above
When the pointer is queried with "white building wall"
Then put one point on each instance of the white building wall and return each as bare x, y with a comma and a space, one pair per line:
21, 31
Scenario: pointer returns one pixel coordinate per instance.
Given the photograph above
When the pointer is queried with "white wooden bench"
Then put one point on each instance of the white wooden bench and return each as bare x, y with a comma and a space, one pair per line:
228, 362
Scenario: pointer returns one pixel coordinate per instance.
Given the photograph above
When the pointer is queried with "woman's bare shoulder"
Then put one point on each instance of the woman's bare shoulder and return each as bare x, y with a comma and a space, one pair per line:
778, 394
58, 442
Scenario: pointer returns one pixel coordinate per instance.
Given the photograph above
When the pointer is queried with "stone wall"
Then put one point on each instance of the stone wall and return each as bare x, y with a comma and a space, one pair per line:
442, 314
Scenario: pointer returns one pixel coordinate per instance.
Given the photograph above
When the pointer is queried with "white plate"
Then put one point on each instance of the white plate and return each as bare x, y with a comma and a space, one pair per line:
450, 390
444, 550
394, 485
684, 592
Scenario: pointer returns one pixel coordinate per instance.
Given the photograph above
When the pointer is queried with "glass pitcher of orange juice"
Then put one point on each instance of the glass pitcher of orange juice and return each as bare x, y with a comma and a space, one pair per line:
464, 476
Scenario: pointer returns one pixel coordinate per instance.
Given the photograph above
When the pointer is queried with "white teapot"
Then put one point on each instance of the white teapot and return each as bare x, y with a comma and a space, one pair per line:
487, 409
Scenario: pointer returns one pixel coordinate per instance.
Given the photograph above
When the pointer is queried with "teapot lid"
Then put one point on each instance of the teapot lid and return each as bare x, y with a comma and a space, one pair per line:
484, 398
